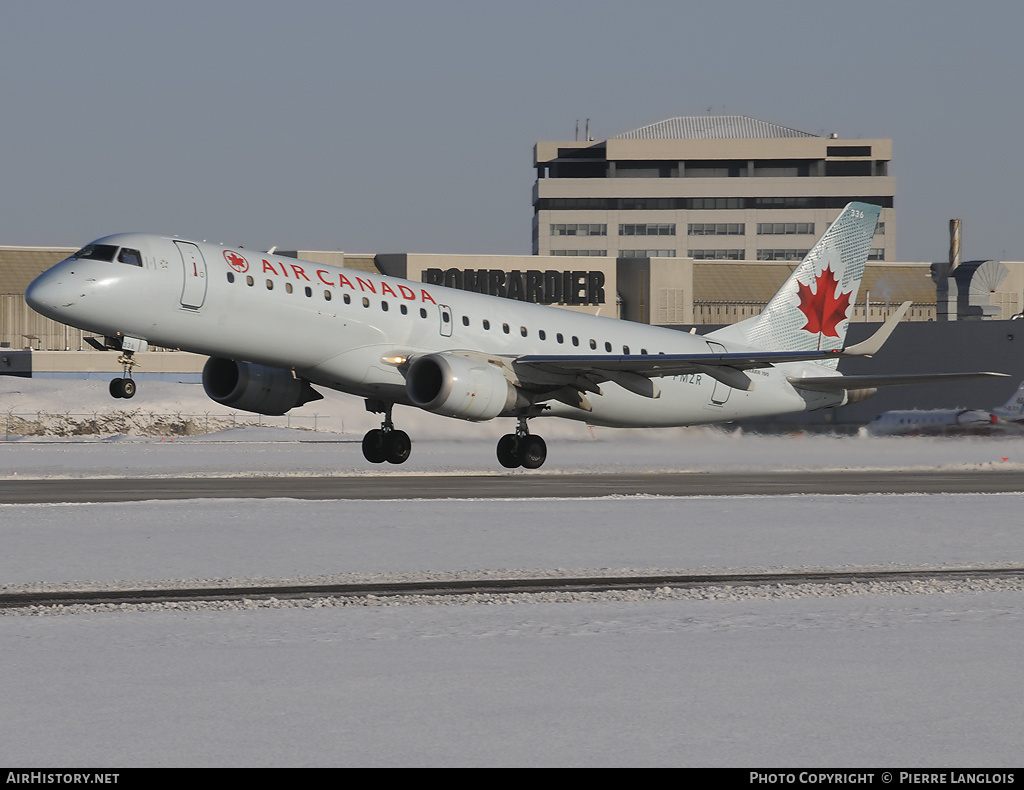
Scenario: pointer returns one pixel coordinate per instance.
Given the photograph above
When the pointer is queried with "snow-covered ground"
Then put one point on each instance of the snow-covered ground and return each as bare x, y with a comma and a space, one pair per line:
880, 676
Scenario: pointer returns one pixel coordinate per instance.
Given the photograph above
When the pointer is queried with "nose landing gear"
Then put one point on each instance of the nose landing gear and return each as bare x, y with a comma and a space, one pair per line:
522, 448
124, 387
385, 443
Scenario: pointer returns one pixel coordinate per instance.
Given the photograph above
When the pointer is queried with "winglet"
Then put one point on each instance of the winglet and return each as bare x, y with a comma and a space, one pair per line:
873, 344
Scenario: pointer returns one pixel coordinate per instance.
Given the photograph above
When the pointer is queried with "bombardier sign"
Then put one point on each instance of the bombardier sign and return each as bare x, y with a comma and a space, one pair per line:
533, 285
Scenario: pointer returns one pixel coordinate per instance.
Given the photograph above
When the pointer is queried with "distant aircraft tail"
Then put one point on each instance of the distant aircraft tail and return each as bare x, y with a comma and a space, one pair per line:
812, 310
1013, 409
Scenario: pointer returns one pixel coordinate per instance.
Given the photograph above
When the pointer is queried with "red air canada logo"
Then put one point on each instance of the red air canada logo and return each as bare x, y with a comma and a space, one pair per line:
822, 308
236, 261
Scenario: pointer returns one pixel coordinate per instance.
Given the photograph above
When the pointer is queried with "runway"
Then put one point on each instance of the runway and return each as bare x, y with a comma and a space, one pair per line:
398, 486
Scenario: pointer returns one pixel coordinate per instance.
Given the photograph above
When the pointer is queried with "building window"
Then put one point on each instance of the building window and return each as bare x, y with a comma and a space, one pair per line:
781, 255
581, 253
716, 255
785, 228
714, 203
716, 229
876, 254
578, 229
648, 229
647, 253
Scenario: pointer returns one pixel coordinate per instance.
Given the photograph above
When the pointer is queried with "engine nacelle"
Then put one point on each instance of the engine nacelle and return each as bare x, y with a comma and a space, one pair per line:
256, 388
459, 387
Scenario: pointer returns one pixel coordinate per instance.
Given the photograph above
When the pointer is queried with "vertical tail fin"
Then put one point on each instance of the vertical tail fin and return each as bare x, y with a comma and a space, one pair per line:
1014, 407
812, 309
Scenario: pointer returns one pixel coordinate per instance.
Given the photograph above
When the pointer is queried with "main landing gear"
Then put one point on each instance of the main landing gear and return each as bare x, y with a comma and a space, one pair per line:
522, 448
124, 387
385, 443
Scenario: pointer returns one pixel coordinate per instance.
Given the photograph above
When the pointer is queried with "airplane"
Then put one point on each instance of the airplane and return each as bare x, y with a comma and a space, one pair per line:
275, 328
1008, 418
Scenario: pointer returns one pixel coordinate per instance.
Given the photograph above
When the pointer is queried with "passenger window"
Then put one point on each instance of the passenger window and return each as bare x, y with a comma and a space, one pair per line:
309, 291
288, 287
270, 285
231, 277
608, 347
575, 340
643, 351
133, 257
404, 309
384, 306
487, 324
249, 280
327, 296
542, 334
465, 320
522, 331
346, 298
559, 338
625, 350
423, 312
504, 328
366, 302
593, 343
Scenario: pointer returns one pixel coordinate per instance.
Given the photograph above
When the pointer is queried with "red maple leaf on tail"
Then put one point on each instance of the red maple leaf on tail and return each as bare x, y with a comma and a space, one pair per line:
823, 309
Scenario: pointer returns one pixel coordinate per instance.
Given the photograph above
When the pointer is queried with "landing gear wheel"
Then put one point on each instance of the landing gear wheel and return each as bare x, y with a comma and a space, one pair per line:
117, 388
385, 443
127, 388
397, 446
532, 451
508, 455
373, 446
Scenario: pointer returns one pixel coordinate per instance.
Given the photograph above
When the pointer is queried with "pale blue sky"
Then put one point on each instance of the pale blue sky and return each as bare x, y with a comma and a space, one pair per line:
408, 126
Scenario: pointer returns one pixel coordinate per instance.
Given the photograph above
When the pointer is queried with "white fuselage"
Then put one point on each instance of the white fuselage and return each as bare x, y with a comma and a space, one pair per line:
345, 329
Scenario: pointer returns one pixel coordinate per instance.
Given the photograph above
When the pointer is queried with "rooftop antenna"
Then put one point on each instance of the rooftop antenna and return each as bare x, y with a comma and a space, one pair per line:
577, 130
589, 138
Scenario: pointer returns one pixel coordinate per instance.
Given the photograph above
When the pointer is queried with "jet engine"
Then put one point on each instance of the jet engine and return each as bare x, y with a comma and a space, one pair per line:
459, 387
256, 388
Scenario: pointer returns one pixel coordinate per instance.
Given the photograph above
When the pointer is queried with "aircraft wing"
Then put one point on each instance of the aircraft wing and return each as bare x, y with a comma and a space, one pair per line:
635, 371
839, 383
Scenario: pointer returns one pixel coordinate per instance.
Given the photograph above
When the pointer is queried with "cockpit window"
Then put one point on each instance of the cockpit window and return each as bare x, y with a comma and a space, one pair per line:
131, 256
97, 252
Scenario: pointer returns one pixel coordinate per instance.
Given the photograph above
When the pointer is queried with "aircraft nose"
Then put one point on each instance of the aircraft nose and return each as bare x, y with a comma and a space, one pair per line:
47, 293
